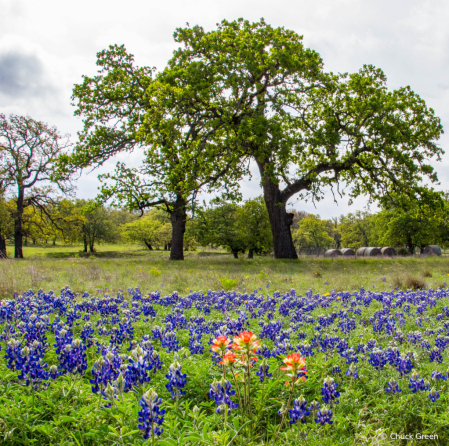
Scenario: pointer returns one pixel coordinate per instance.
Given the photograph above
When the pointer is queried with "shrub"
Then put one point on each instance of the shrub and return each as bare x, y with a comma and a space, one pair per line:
415, 284
228, 284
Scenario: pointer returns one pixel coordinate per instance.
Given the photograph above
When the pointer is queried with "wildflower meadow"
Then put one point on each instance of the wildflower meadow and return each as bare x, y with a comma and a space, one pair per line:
217, 367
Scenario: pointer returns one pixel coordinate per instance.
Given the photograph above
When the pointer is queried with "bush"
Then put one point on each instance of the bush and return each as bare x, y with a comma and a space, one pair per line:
415, 284
228, 284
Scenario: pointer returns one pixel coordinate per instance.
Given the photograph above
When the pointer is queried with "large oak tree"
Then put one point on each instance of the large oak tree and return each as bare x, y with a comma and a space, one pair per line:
308, 130
164, 116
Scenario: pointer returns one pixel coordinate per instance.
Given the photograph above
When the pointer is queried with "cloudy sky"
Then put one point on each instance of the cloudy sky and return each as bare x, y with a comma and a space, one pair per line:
47, 45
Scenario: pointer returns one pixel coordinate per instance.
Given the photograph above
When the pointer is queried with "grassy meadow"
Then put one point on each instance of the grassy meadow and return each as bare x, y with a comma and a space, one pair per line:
115, 267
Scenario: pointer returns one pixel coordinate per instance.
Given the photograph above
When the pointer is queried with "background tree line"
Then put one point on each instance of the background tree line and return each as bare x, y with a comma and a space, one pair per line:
238, 228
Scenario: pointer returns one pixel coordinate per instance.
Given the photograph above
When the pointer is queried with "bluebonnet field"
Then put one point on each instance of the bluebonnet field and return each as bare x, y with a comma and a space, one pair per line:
224, 368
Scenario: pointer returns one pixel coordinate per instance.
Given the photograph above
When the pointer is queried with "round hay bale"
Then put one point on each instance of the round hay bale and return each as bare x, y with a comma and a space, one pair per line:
432, 250
332, 253
387, 251
372, 252
347, 252
360, 252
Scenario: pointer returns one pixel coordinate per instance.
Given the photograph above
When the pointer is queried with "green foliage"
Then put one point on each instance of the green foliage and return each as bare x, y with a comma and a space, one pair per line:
99, 225
144, 230
218, 225
413, 223
254, 226
305, 128
356, 229
228, 284
236, 227
313, 232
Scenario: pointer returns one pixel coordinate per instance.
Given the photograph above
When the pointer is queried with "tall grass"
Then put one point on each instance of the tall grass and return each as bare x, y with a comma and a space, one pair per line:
105, 271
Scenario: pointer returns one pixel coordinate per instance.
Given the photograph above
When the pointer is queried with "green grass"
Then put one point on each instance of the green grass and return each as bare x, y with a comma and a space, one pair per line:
121, 266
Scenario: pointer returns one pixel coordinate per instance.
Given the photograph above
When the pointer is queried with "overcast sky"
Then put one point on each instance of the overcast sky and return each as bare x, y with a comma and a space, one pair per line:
47, 45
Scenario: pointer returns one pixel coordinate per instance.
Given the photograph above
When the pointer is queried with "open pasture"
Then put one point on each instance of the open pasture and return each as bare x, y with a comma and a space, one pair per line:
78, 365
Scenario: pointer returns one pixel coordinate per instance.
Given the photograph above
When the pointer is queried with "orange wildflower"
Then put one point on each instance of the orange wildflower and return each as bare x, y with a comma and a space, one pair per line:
295, 366
246, 340
220, 344
228, 359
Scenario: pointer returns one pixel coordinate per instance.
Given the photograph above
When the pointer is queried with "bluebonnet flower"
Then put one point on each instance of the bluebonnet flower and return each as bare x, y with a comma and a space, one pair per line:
336, 370
176, 380
87, 335
377, 359
31, 367
306, 349
72, 358
417, 383
264, 370
137, 371
435, 355
438, 375
151, 416
195, 345
12, 353
53, 372
220, 392
433, 395
404, 365
324, 416
170, 341
62, 338
105, 370
329, 391
393, 387
300, 411
352, 371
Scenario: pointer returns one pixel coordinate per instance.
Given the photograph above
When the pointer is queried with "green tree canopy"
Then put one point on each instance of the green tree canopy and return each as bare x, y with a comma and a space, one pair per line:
356, 230
313, 233
308, 130
181, 138
144, 230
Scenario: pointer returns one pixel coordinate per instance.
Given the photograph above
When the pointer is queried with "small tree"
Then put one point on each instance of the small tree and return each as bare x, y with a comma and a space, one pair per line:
29, 151
356, 229
254, 227
99, 225
144, 230
312, 233
218, 225
411, 223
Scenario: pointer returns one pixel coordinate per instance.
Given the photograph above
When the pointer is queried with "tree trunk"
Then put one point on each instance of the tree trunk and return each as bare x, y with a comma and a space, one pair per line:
18, 235
178, 220
85, 242
2, 247
250, 253
148, 245
235, 253
91, 245
280, 219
